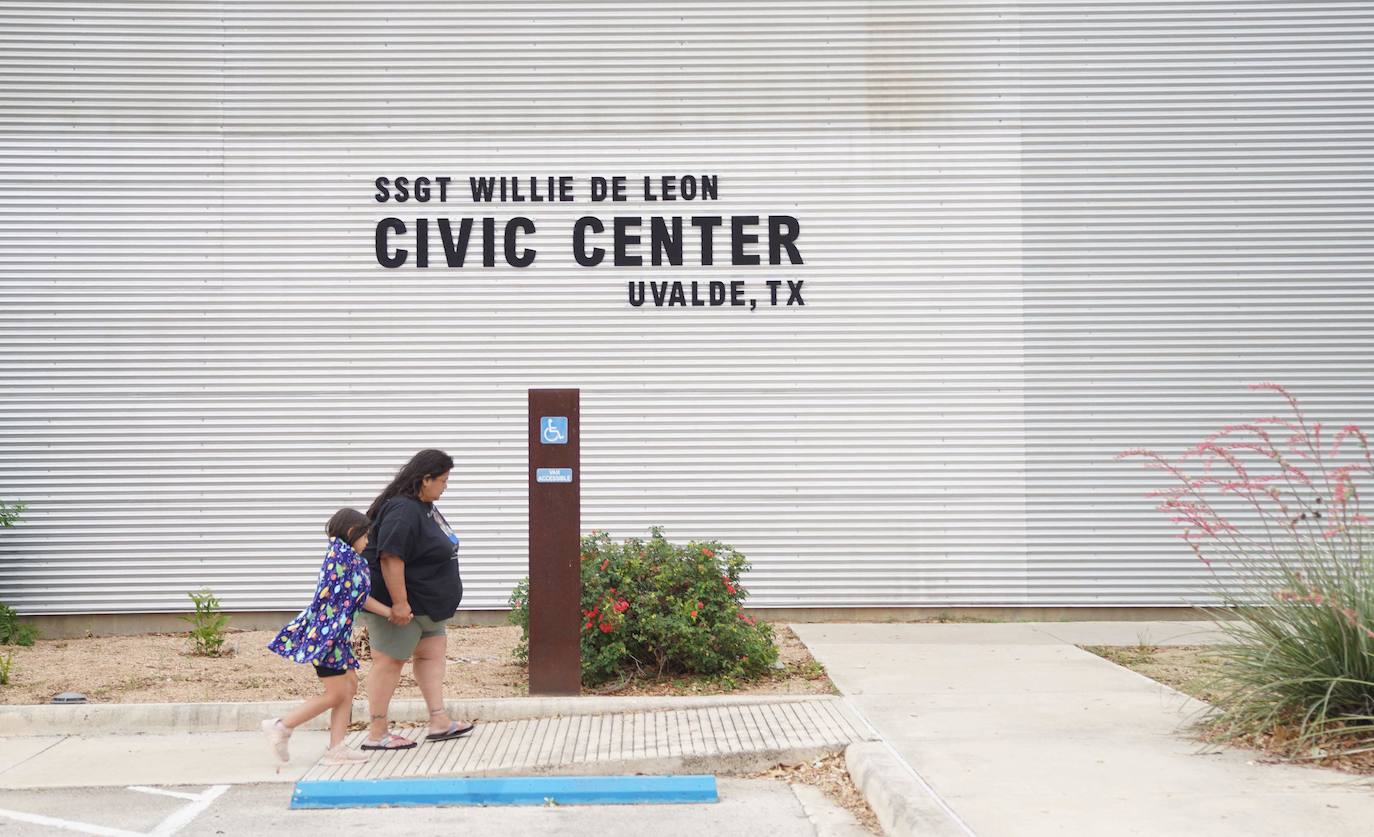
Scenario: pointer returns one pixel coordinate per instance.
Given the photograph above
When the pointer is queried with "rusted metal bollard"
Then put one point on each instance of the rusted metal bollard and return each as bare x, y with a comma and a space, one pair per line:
555, 528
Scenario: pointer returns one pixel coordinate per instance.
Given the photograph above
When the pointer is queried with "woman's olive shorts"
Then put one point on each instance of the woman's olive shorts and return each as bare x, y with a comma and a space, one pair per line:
399, 641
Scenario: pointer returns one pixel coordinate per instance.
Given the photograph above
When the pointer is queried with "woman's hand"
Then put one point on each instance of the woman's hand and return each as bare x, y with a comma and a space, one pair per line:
400, 614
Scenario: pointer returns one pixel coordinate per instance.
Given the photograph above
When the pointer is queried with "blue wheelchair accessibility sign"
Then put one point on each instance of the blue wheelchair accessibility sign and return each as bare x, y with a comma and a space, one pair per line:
553, 430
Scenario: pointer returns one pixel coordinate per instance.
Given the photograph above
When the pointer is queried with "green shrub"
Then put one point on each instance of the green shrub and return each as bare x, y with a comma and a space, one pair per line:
10, 513
207, 624
13, 631
652, 607
1273, 510
6, 666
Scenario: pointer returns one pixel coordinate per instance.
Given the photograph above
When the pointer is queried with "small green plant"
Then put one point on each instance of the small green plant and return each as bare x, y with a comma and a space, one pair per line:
13, 631
6, 666
207, 624
10, 513
656, 608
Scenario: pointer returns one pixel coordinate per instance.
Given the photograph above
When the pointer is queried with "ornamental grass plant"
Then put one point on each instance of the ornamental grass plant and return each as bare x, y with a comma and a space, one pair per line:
1272, 508
653, 608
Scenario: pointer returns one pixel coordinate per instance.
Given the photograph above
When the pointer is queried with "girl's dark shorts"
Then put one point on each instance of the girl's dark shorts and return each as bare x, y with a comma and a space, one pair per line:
326, 671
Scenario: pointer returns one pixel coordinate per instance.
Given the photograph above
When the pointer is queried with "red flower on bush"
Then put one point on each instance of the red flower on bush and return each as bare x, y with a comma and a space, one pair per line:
640, 617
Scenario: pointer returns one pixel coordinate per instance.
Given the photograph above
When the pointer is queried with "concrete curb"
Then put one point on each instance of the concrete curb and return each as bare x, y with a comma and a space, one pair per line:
829, 819
154, 718
722, 764
904, 805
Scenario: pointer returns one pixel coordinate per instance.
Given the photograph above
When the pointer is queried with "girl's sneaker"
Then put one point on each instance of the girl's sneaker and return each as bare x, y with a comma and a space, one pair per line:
279, 737
343, 754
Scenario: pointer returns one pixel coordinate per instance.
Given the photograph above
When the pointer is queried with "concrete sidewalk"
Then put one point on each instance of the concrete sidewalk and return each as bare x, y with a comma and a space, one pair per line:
1021, 734
569, 738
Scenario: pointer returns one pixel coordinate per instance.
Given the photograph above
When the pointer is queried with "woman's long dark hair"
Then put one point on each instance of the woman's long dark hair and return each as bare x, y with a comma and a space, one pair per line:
425, 464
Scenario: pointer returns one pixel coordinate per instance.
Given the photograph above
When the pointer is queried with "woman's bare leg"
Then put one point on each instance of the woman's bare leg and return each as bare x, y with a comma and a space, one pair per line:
431, 657
382, 680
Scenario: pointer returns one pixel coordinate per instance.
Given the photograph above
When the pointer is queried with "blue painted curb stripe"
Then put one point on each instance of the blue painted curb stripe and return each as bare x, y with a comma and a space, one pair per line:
523, 790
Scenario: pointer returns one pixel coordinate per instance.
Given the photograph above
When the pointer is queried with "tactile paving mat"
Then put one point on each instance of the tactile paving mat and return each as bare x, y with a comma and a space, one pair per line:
573, 744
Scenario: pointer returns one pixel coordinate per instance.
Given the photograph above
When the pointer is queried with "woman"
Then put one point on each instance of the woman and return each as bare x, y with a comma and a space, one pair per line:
413, 556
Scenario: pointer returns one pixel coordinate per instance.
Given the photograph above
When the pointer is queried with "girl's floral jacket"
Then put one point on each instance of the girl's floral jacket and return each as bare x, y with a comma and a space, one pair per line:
322, 633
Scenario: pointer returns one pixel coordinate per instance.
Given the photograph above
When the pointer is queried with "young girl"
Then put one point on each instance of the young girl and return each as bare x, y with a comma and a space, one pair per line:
322, 635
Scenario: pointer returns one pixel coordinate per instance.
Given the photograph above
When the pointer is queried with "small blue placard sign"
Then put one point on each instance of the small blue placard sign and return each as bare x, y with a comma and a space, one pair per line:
553, 475
553, 430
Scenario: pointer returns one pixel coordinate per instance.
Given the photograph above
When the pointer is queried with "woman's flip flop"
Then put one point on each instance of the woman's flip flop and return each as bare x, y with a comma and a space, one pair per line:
455, 730
389, 743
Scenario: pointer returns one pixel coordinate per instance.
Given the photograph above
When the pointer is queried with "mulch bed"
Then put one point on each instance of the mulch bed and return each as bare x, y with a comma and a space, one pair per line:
160, 668
832, 777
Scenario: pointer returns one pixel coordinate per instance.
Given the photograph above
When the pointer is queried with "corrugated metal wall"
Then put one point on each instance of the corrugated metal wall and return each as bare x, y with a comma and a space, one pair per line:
1198, 215
1013, 229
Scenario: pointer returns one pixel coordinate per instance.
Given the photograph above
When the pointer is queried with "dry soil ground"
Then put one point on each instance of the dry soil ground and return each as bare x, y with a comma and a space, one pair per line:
160, 668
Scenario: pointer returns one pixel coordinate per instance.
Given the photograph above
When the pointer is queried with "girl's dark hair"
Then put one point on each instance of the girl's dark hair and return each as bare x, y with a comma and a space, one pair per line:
347, 525
423, 465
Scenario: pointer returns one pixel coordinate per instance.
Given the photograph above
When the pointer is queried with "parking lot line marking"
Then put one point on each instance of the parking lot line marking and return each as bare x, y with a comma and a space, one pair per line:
180, 819
176, 821
192, 797
67, 825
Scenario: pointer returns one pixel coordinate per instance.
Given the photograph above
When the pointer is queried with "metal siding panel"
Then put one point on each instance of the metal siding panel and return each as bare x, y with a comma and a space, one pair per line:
213, 363
199, 364
1197, 210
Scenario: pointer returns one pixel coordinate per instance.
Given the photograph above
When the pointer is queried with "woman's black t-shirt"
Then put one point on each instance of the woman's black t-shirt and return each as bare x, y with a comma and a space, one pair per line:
418, 534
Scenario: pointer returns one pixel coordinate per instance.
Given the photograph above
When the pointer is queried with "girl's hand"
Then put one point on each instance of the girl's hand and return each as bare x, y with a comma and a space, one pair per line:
371, 605
400, 614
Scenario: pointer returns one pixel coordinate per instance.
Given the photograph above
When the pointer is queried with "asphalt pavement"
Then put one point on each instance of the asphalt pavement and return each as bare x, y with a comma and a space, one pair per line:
746, 807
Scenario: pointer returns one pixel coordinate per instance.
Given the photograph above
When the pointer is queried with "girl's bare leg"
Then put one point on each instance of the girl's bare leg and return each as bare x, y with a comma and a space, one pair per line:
314, 706
343, 688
